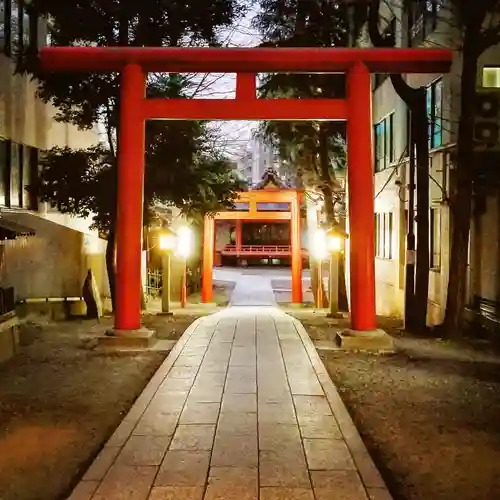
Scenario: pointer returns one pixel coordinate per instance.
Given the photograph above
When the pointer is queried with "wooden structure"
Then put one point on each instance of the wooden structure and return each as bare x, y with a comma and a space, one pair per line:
254, 206
135, 62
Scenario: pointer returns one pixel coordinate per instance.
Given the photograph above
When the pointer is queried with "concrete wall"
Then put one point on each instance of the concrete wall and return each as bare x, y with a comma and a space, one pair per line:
55, 261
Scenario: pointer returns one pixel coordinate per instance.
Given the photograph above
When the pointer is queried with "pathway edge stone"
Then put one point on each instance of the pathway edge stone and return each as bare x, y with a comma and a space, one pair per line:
367, 469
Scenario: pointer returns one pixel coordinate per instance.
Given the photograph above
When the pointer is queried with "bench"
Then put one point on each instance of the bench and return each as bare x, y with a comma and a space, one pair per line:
487, 313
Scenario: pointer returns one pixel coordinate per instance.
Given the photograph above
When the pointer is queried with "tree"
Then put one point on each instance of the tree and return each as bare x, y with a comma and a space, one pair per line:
176, 158
312, 147
417, 279
478, 28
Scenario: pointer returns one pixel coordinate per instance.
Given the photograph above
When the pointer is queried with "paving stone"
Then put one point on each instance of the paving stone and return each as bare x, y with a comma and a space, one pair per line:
156, 423
176, 493
102, 463
205, 394
319, 426
84, 490
228, 483
276, 413
244, 399
183, 468
236, 424
121, 434
144, 450
273, 437
284, 470
379, 494
238, 451
188, 372
193, 437
126, 482
200, 413
271, 493
329, 454
312, 405
344, 485
239, 403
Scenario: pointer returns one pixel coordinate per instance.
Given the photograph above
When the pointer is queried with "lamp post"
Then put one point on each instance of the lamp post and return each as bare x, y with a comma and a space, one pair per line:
333, 246
183, 250
319, 251
167, 243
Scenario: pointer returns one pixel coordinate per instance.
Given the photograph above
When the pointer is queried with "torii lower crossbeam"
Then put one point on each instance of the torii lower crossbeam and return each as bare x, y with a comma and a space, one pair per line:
135, 62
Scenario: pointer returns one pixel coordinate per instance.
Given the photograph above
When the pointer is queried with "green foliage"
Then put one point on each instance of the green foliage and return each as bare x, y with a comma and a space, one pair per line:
181, 167
312, 148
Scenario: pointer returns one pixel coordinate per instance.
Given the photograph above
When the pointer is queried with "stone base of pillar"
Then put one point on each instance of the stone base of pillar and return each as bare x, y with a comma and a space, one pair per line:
166, 314
373, 341
143, 337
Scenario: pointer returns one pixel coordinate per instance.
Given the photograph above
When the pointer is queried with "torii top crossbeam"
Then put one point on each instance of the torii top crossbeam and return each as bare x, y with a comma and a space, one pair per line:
245, 60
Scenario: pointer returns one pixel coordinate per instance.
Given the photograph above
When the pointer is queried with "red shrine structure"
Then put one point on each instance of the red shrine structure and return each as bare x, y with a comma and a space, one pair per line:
135, 62
257, 206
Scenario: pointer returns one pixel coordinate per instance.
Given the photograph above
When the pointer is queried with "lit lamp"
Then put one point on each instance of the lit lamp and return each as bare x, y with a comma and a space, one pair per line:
168, 241
334, 246
183, 250
319, 251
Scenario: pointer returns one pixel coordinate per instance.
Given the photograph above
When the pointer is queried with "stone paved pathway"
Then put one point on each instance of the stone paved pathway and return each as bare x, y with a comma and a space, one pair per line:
253, 291
242, 409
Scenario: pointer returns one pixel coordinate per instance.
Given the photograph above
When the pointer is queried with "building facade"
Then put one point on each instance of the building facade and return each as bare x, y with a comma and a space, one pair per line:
430, 23
52, 258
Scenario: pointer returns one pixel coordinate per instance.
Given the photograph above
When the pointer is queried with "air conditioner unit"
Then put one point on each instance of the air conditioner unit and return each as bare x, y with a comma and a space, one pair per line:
487, 119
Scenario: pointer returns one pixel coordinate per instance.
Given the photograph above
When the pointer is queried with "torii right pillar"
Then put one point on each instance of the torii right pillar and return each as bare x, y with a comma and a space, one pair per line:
361, 202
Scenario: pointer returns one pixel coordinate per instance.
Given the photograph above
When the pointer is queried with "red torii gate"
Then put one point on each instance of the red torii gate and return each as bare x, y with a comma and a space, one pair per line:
134, 62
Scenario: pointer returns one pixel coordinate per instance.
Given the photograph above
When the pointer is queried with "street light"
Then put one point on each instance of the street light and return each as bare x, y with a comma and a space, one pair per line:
319, 251
168, 240
184, 249
333, 243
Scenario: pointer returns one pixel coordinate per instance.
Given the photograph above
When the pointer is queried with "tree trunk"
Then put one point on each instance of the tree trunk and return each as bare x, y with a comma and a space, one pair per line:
415, 100
111, 263
461, 188
420, 134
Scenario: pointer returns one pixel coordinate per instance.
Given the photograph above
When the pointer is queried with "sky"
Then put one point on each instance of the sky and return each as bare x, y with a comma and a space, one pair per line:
235, 135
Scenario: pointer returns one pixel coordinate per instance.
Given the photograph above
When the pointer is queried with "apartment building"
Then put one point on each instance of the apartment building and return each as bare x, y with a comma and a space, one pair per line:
429, 24
43, 253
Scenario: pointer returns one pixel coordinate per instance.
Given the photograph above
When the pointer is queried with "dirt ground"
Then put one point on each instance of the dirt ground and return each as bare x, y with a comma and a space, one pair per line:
429, 414
60, 401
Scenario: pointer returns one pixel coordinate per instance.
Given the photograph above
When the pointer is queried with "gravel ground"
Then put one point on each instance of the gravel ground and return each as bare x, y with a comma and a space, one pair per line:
59, 402
429, 414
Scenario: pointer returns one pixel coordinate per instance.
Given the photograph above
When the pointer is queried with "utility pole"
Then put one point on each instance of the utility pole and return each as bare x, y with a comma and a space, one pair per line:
410, 233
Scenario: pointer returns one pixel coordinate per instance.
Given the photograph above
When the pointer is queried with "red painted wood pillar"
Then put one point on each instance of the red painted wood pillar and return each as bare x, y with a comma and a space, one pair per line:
361, 203
131, 144
239, 235
208, 259
296, 251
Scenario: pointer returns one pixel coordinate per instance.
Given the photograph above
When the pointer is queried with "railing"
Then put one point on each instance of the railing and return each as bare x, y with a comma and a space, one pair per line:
259, 250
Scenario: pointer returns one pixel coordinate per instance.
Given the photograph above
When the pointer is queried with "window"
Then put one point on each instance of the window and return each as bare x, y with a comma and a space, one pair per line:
272, 207
241, 207
435, 113
385, 152
383, 235
491, 78
435, 238
15, 175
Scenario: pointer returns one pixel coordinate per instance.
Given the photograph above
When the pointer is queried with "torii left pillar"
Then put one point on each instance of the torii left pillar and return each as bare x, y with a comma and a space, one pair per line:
131, 144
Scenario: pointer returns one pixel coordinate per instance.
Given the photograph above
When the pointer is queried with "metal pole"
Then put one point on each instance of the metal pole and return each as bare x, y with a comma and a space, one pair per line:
165, 294
333, 284
184, 286
320, 284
